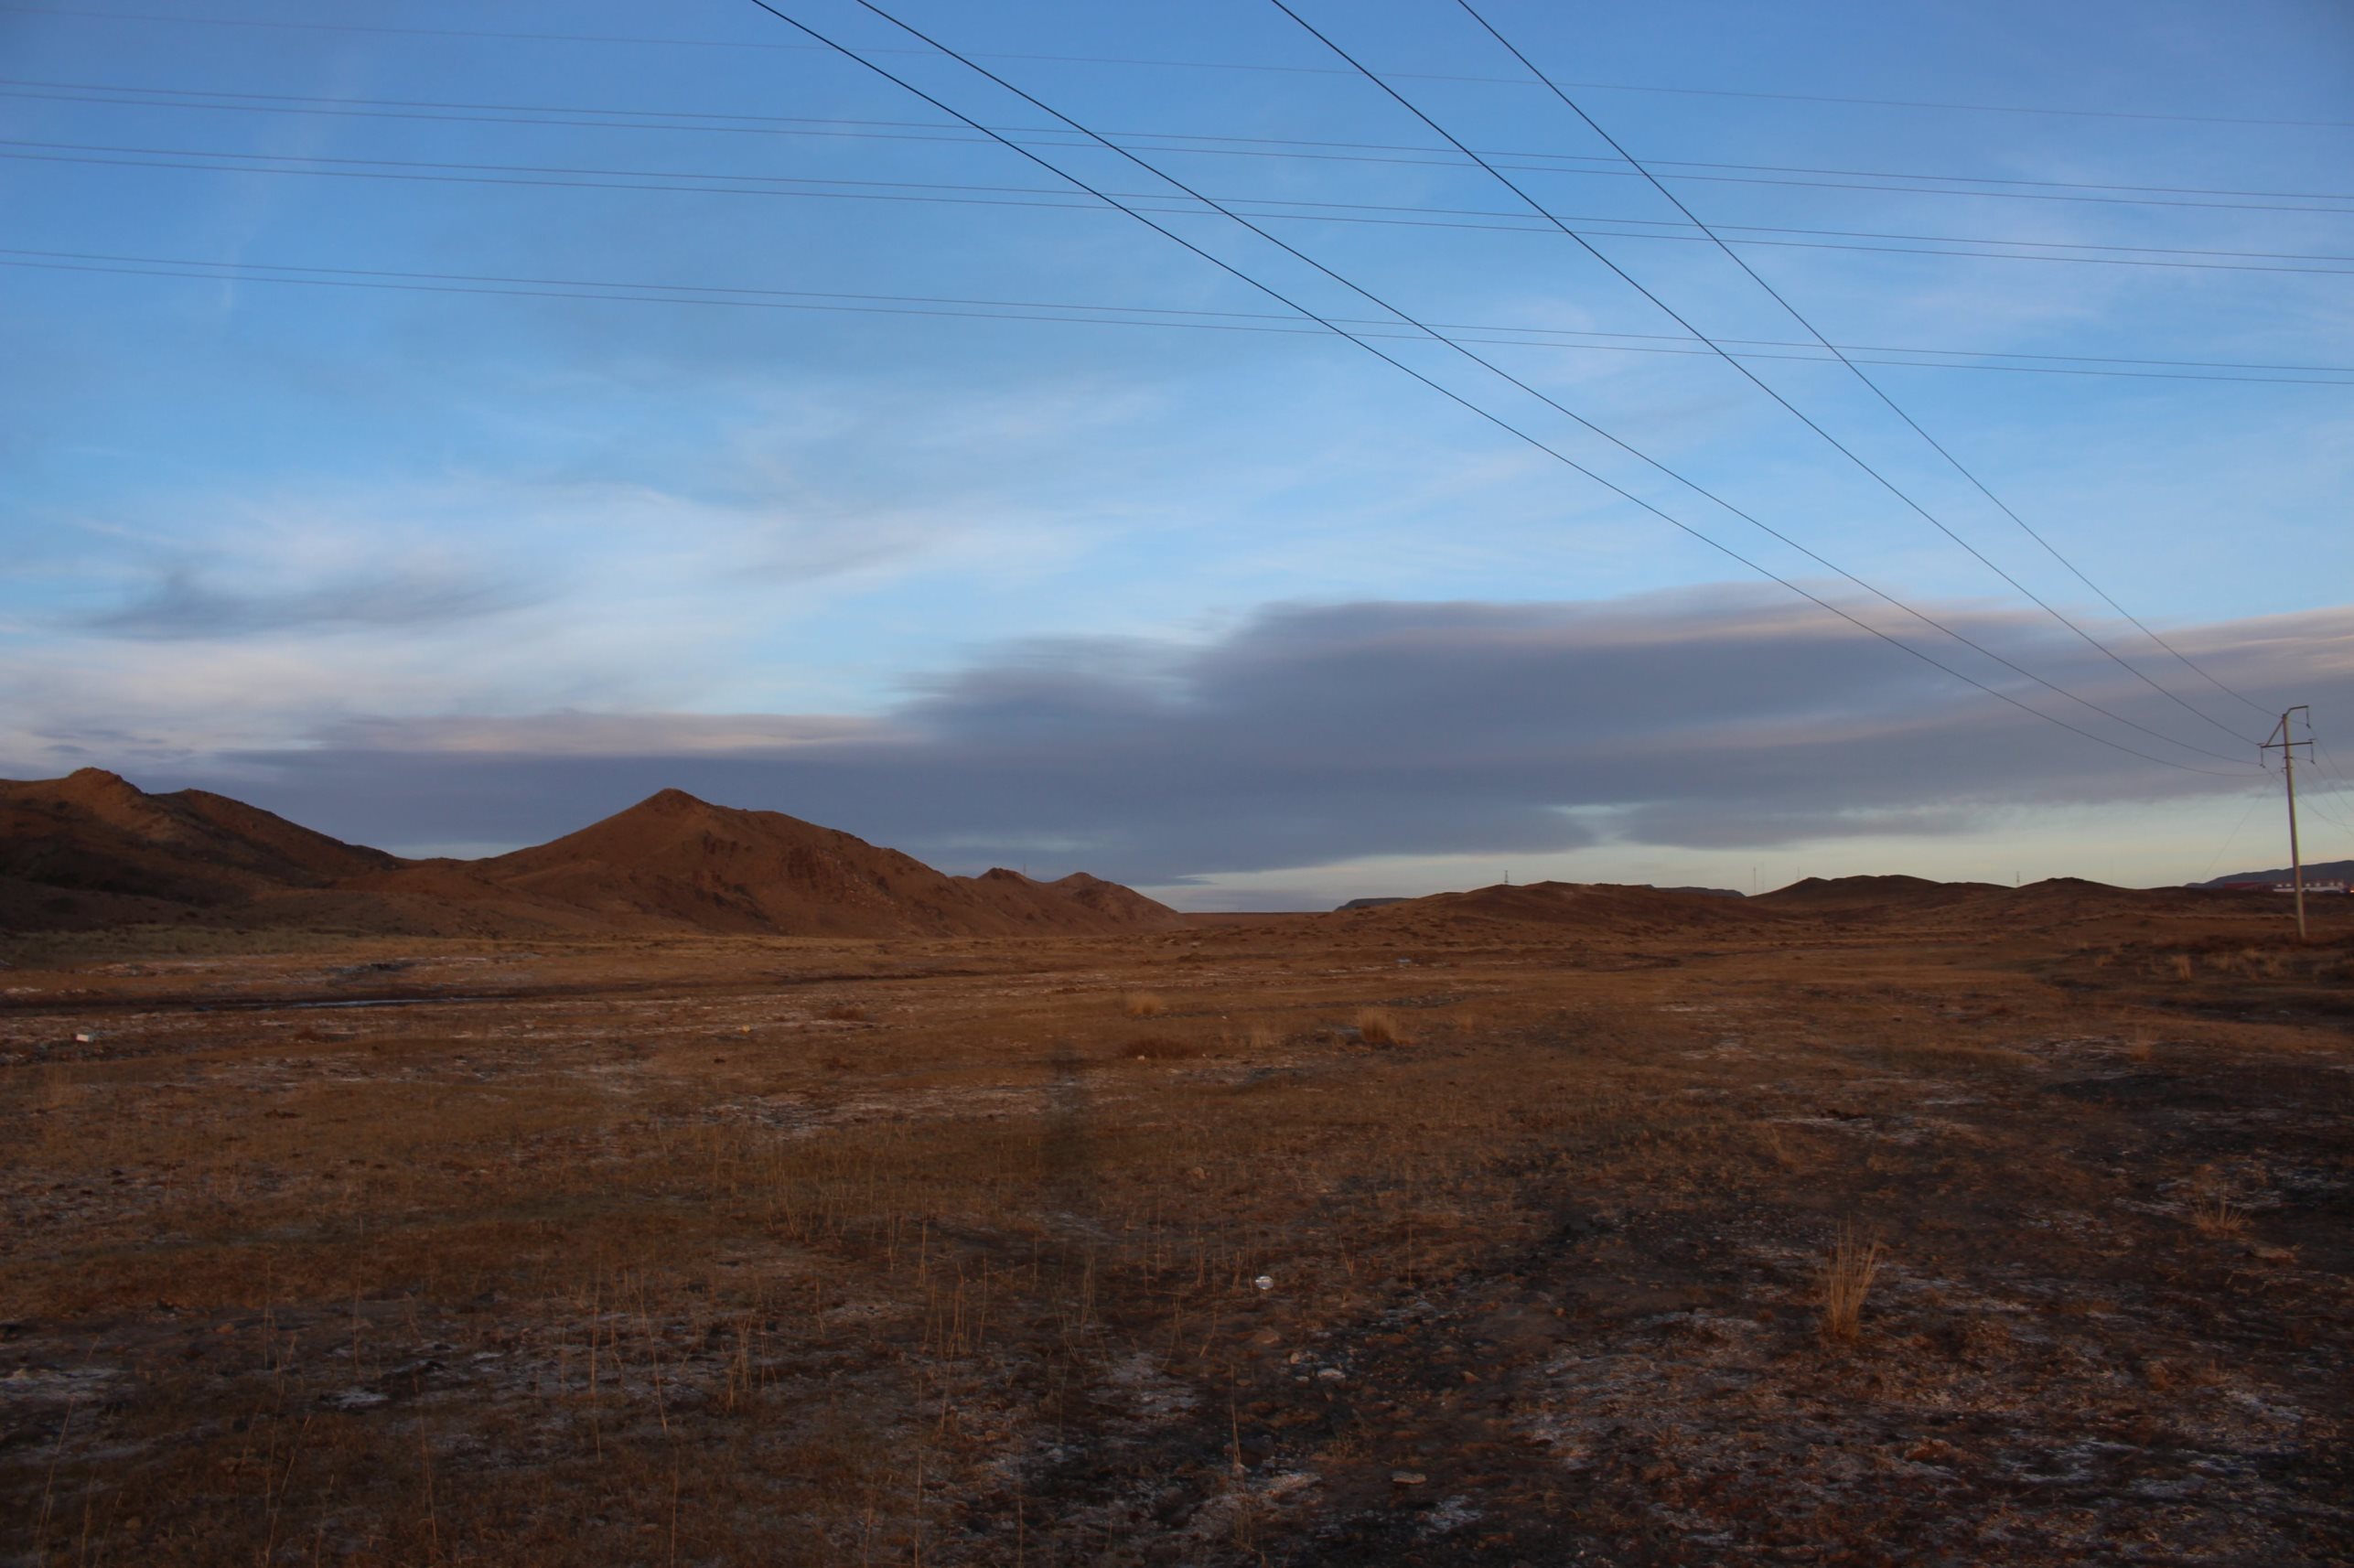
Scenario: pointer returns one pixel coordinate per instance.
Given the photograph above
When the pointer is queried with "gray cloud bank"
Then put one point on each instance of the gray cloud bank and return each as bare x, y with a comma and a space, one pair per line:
182, 607
1308, 736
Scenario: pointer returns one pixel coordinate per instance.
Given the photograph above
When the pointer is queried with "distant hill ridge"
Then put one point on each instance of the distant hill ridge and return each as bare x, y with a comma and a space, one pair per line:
92, 849
1596, 907
1386, 902
2315, 871
1599, 912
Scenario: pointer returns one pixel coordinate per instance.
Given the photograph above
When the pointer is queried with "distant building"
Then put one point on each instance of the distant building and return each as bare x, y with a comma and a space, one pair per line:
2333, 887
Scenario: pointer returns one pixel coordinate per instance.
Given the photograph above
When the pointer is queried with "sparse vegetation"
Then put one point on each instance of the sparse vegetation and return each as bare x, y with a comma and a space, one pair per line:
565, 1278
1847, 1276
1145, 1004
1258, 1037
2217, 1215
2212, 1209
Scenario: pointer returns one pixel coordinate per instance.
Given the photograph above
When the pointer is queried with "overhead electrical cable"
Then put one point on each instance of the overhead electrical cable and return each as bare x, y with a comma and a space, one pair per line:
1893, 407
2340, 790
1155, 170
590, 178
2316, 796
1163, 141
2257, 795
1521, 223
2318, 803
1440, 338
183, 18
1064, 311
1842, 447
1481, 411
2328, 759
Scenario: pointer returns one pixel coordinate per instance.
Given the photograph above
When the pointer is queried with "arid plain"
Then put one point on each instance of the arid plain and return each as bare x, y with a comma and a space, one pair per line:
1870, 1221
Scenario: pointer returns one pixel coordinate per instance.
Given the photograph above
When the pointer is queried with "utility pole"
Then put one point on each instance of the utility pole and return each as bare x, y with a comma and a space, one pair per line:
2287, 748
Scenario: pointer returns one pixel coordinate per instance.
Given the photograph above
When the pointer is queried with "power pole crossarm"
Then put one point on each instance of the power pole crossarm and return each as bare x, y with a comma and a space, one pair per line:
2287, 746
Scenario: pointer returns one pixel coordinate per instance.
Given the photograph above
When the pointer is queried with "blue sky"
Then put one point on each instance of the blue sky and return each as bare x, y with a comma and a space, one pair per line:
325, 483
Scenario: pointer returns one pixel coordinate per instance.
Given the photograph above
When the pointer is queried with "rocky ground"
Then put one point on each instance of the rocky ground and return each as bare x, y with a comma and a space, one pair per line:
1348, 1240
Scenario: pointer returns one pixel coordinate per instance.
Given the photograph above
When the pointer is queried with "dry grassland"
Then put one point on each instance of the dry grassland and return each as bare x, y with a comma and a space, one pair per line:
1283, 1243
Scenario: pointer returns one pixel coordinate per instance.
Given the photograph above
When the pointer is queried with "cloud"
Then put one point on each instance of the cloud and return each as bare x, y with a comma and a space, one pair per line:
562, 735
1312, 735
184, 606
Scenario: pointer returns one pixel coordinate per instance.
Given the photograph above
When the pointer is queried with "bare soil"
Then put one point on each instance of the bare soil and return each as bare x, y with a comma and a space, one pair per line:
1432, 1234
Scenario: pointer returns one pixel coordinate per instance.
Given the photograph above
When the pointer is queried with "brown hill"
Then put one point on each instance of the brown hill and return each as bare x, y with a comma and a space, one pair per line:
673, 860
2315, 871
1841, 895
93, 836
95, 850
1116, 903
41, 906
1974, 905
2073, 897
1600, 907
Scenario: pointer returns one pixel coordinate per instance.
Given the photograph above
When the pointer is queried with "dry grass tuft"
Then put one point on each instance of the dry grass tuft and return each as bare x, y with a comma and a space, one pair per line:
1380, 1026
1257, 1036
2180, 964
843, 1013
1847, 1276
1145, 1004
2215, 1214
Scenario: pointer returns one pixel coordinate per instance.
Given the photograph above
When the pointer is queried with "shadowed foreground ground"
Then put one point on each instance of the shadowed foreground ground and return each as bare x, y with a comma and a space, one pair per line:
1371, 1239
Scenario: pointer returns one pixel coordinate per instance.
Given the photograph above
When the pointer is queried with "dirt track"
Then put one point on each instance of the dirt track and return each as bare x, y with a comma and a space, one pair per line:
725, 1251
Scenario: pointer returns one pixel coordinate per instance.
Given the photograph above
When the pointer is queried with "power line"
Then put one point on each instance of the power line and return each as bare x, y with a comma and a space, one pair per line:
2341, 787
587, 178
1475, 408
1628, 495
1498, 371
2316, 800
1759, 381
1258, 147
2257, 795
1893, 407
642, 292
2329, 758
1519, 225
185, 19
